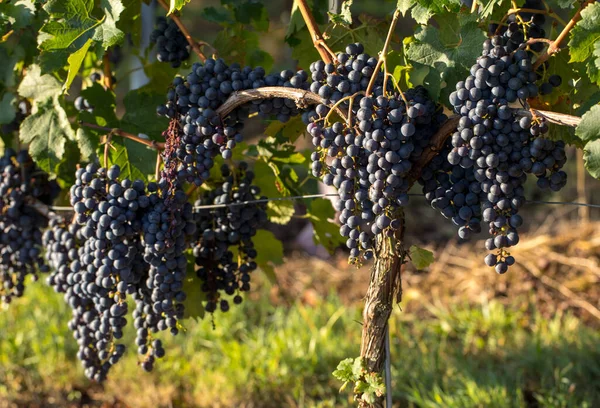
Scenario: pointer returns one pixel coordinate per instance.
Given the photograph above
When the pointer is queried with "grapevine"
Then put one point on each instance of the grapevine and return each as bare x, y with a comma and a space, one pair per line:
469, 120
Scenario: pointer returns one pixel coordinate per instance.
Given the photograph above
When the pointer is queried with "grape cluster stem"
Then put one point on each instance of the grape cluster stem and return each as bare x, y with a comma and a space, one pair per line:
554, 47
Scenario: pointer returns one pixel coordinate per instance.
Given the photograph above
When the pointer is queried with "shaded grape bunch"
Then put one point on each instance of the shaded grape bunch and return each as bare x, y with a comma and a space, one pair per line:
171, 44
224, 250
109, 264
369, 159
193, 101
21, 184
498, 147
168, 226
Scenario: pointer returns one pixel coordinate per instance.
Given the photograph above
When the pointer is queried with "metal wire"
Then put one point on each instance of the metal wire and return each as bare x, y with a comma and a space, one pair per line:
198, 208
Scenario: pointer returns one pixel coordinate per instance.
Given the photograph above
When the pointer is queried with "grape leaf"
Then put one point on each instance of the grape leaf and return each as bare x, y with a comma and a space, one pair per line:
280, 212
345, 15
46, 131
448, 51
75, 60
591, 158
20, 13
103, 101
490, 7
420, 257
175, 5
270, 253
422, 10
70, 22
107, 33
130, 20
289, 131
38, 87
140, 113
238, 44
135, 160
326, 232
71, 28
589, 128
7, 109
585, 34
88, 142
192, 287
249, 12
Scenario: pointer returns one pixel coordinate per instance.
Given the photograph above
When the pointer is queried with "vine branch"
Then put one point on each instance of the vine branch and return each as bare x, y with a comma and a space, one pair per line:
118, 132
185, 31
554, 47
300, 96
316, 36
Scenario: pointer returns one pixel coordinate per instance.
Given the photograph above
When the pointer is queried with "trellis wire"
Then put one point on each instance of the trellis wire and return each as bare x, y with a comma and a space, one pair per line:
199, 208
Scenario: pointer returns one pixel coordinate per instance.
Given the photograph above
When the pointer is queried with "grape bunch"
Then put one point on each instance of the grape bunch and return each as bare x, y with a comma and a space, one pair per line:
193, 102
221, 270
369, 158
171, 44
167, 225
22, 183
108, 263
496, 150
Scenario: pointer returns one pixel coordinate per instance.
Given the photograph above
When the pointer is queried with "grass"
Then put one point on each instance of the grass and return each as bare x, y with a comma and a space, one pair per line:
262, 355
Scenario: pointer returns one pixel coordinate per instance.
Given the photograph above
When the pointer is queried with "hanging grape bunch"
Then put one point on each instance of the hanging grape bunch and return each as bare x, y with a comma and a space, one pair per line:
224, 250
193, 101
171, 44
22, 183
108, 265
369, 159
168, 226
495, 149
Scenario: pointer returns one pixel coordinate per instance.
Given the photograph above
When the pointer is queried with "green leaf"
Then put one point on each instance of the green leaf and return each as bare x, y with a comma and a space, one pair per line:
420, 257
176, 5
72, 29
405, 5
65, 171
270, 253
326, 232
564, 133
107, 33
193, 306
140, 113
37, 86
20, 13
128, 156
589, 128
343, 372
249, 12
345, 15
289, 131
585, 34
238, 44
489, 8
88, 142
280, 212
103, 101
448, 52
7, 108
591, 158
215, 15
75, 60
46, 131
70, 22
